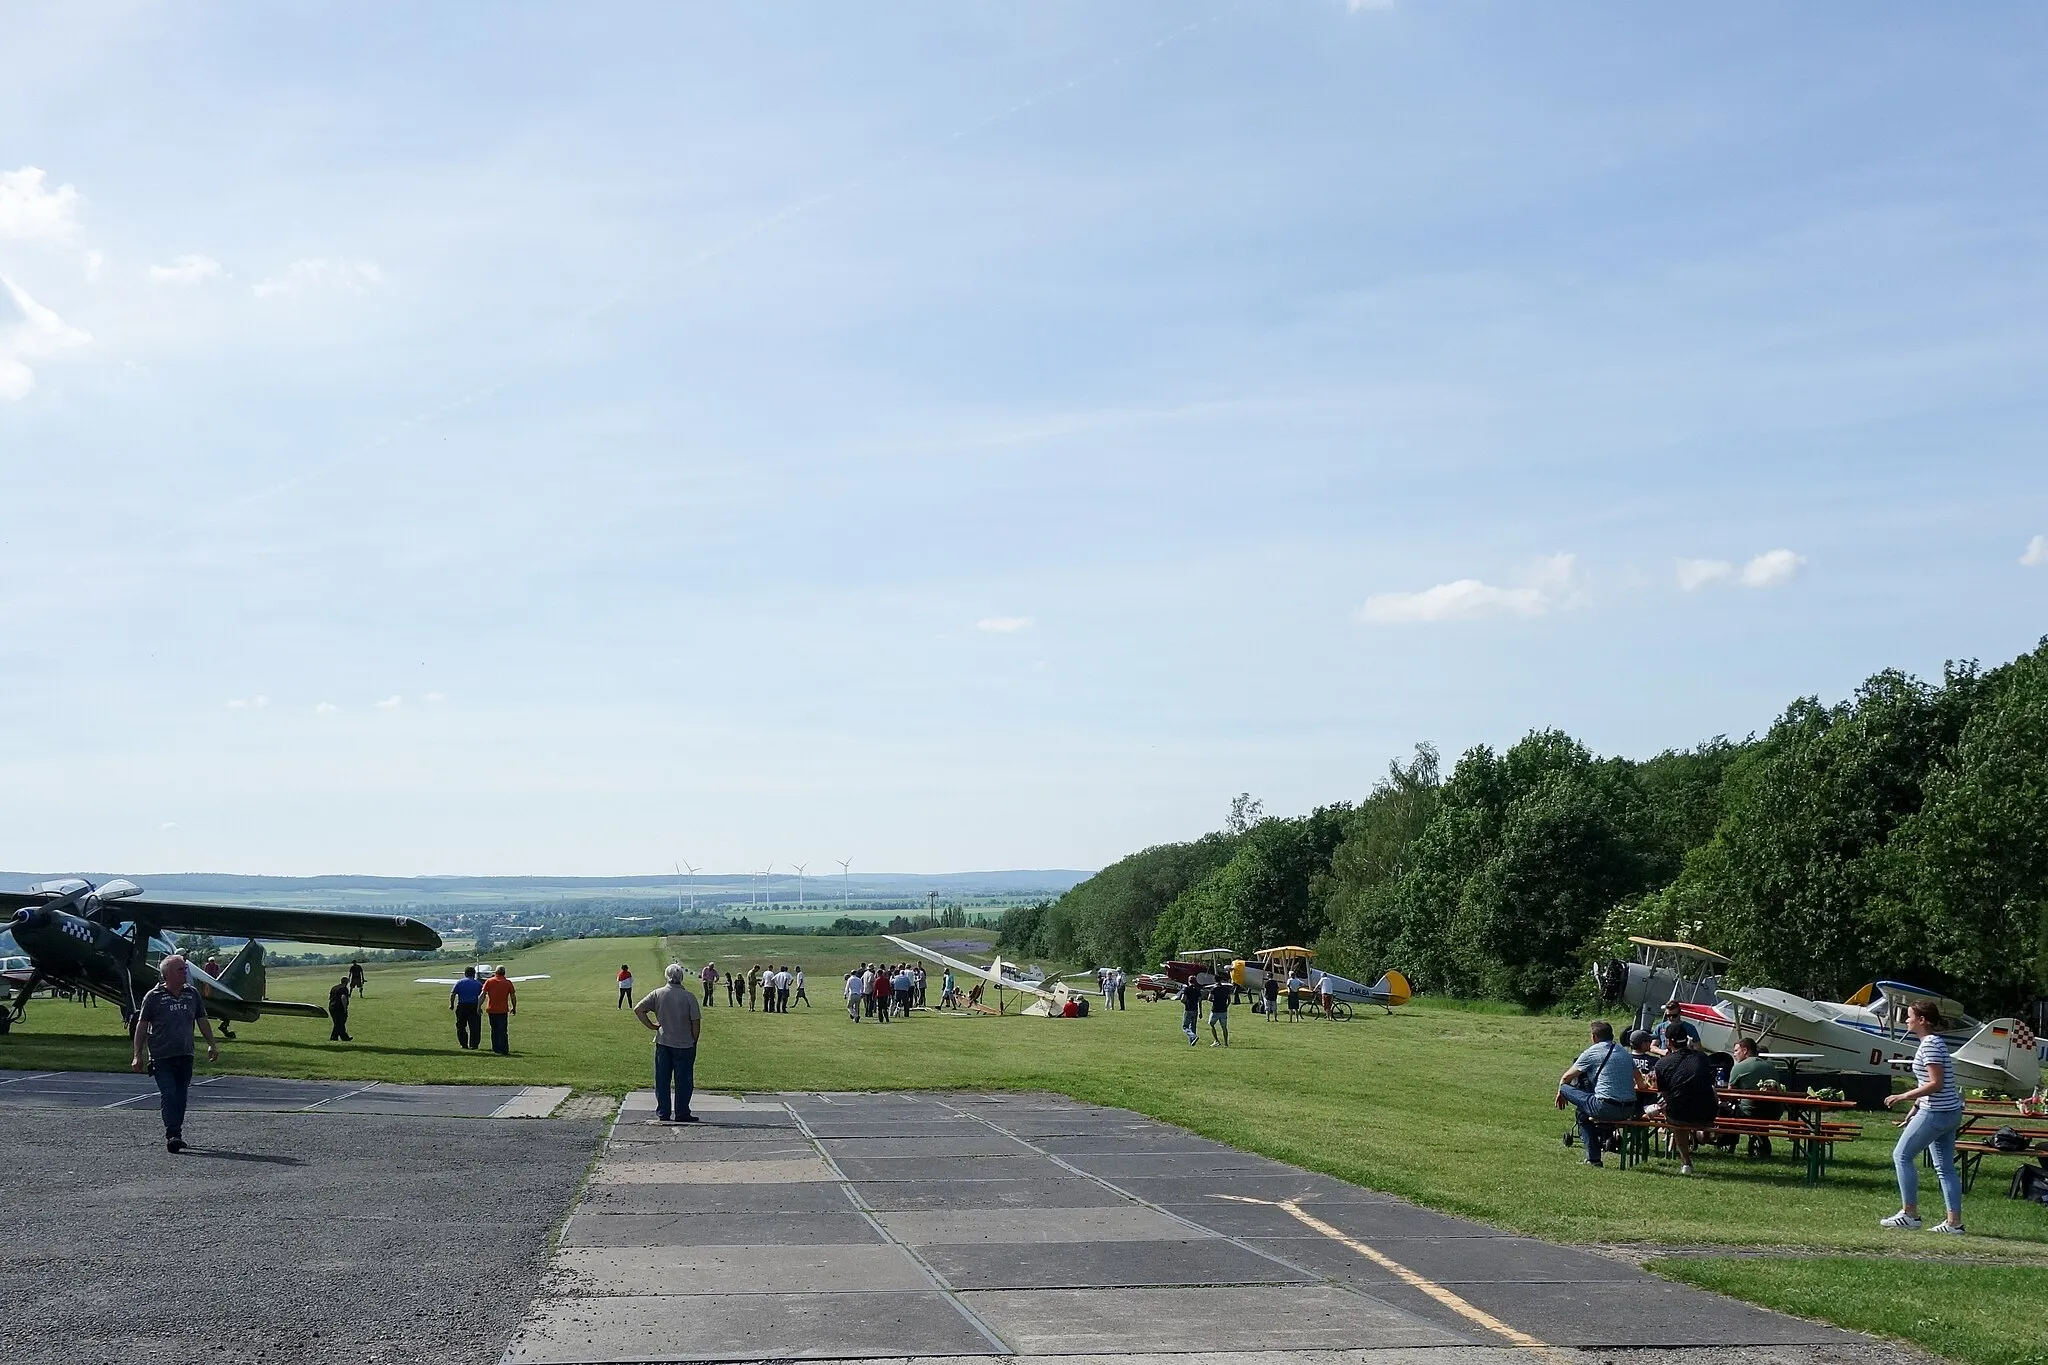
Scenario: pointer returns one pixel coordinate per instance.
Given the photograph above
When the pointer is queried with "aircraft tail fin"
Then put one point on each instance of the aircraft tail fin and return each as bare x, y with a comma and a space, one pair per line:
244, 977
2002, 1056
1395, 988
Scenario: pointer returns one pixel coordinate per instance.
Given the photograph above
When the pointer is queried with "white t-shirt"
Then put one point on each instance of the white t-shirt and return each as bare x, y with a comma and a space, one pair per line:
852, 986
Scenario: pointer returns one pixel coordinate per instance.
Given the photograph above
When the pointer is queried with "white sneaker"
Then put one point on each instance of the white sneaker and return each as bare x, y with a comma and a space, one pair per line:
1952, 1229
1900, 1222
1686, 1169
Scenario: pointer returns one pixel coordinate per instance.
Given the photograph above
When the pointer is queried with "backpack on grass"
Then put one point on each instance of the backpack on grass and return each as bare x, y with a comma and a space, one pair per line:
2031, 1184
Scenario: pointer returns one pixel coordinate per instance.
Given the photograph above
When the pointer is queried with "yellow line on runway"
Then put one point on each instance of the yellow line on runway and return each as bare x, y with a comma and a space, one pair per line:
1462, 1307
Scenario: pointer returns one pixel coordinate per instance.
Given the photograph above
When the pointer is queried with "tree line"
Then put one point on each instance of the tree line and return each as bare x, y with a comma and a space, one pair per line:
1902, 832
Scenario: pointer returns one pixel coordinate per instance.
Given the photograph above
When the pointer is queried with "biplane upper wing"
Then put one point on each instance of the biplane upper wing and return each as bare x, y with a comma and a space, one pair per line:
918, 950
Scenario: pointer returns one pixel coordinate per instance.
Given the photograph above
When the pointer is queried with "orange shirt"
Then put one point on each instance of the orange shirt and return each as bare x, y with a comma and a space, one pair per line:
498, 995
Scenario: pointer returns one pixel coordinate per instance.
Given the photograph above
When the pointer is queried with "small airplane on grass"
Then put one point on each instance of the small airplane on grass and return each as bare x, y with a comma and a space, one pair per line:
483, 970
1051, 1002
1854, 1045
104, 941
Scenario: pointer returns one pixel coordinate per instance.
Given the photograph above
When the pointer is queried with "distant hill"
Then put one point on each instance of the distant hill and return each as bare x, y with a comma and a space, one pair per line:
716, 886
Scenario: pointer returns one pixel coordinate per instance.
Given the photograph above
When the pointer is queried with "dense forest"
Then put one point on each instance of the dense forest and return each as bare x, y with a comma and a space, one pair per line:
1902, 832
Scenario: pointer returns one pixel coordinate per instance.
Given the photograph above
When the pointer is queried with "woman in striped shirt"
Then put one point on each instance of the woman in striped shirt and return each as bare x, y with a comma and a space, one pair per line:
1937, 1115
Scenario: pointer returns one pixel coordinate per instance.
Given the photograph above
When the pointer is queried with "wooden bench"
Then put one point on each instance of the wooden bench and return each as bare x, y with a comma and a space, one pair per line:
1970, 1156
1815, 1143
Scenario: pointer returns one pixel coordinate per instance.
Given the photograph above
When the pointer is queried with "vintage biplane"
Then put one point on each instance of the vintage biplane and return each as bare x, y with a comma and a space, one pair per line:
1662, 970
106, 941
1050, 1001
1389, 992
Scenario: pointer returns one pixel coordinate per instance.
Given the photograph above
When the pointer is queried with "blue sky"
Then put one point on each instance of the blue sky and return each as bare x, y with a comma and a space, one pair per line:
975, 435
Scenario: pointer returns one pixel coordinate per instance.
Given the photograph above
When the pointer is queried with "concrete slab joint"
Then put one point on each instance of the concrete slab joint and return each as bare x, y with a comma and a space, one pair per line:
920, 1227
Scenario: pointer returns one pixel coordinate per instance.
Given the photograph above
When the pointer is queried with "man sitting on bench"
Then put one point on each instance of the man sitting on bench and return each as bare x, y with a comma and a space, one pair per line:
1601, 1085
1685, 1080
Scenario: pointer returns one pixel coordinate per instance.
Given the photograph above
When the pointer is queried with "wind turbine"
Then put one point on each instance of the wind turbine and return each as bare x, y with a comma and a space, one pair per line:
693, 887
763, 898
845, 864
800, 884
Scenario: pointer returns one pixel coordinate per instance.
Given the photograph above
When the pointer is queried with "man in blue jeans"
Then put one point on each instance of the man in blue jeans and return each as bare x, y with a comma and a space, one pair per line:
163, 1025
677, 1019
1601, 1085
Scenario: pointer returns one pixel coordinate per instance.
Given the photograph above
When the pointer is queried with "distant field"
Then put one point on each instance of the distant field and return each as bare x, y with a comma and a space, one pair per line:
1449, 1106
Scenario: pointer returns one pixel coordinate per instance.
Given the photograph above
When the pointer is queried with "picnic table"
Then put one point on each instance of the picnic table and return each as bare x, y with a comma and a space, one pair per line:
1806, 1127
1973, 1139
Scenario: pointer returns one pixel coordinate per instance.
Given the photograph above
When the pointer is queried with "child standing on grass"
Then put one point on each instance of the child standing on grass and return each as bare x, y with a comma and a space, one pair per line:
625, 985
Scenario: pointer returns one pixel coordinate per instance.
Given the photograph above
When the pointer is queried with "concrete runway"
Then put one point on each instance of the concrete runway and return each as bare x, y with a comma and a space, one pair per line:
936, 1227
271, 1094
288, 1233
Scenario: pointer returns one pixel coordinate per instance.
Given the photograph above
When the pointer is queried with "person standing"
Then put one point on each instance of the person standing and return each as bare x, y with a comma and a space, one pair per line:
1272, 994
753, 985
163, 1027
853, 995
1220, 996
1190, 1008
677, 1021
337, 1010
800, 988
1295, 986
867, 990
463, 998
709, 976
1937, 1116
355, 977
501, 1002
1122, 980
903, 986
783, 980
882, 993
625, 985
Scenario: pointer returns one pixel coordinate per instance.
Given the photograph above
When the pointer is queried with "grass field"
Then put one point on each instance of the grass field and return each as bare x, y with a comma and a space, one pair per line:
1445, 1104
1979, 1314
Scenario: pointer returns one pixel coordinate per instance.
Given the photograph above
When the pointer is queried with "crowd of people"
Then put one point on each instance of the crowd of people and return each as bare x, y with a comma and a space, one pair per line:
1666, 1074
883, 991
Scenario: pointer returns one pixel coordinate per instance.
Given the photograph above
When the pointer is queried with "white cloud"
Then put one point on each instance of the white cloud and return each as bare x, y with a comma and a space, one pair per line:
1547, 585
1771, 568
391, 703
94, 262
191, 268
2036, 552
28, 331
325, 708
168, 825
256, 703
321, 272
32, 212
1003, 625
1696, 573
437, 696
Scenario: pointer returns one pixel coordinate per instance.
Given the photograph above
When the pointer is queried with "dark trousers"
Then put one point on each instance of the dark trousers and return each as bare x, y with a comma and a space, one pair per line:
707, 993
677, 1066
499, 1043
625, 996
339, 1034
1593, 1113
173, 1077
469, 1026
1120, 998
782, 1000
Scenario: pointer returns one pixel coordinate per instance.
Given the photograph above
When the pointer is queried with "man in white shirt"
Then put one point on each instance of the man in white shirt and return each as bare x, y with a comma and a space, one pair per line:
853, 996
